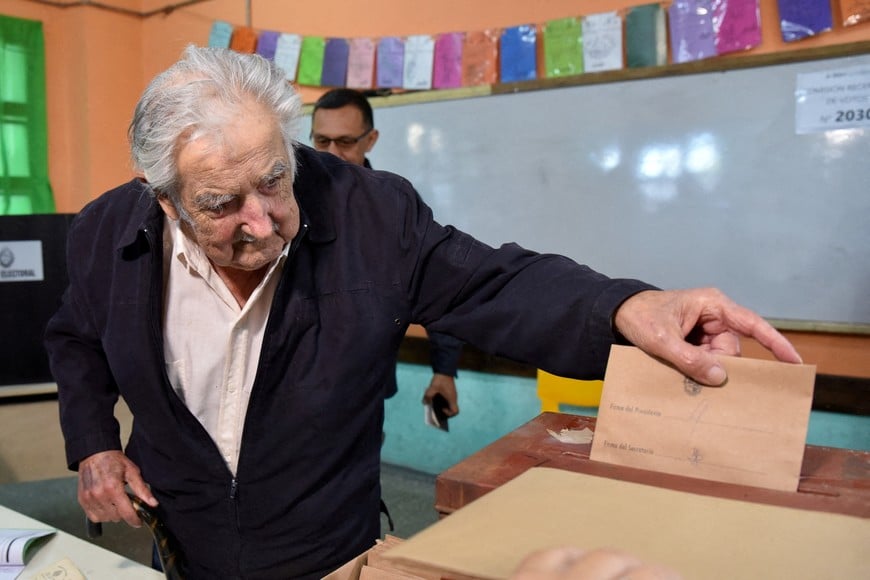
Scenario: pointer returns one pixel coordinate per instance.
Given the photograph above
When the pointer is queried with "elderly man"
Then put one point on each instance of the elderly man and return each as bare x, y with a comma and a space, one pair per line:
246, 296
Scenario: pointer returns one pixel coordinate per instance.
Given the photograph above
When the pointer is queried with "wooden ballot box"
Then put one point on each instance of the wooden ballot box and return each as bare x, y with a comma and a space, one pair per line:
832, 480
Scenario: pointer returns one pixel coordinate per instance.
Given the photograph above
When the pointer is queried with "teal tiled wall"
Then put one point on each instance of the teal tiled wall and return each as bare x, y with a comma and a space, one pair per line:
490, 406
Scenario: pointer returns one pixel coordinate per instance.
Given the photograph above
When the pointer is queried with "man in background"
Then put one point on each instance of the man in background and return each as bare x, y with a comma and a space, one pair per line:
342, 123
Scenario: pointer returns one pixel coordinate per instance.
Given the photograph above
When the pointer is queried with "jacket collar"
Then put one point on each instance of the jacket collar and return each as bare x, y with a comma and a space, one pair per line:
145, 215
315, 183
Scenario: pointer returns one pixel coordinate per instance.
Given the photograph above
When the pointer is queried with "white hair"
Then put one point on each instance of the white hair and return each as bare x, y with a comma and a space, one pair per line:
194, 96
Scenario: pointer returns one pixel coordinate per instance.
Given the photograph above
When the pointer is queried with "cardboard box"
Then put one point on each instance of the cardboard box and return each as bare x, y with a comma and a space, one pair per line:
371, 565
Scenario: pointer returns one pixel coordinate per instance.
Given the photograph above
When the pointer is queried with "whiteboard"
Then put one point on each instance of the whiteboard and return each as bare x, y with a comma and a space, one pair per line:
697, 180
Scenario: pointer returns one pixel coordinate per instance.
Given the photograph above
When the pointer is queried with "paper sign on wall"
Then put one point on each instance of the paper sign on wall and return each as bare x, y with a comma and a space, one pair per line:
602, 42
244, 40
21, 261
311, 60
737, 24
391, 62
447, 70
646, 41
801, 18
335, 57
361, 63
267, 42
220, 34
517, 56
419, 56
563, 47
287, 52
479, 58
831, 100
691, 26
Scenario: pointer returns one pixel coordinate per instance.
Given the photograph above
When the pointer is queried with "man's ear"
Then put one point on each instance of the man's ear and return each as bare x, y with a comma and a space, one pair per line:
168, 207
372, 139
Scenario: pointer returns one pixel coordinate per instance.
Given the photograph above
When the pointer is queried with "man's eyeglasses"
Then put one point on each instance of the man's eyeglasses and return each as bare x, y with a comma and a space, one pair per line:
343, 142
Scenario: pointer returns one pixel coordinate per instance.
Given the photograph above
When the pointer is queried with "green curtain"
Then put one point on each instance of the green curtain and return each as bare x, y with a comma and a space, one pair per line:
24, 186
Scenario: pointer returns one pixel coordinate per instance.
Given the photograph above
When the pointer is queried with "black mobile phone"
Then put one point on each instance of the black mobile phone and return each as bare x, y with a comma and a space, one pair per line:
439, 407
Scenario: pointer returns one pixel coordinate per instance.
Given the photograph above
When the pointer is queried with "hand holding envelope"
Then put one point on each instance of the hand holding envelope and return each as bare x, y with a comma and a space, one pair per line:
690, 328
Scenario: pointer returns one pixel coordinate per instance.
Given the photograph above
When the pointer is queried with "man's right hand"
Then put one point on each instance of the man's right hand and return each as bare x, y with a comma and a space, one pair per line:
445, 386
102, 494
572, 563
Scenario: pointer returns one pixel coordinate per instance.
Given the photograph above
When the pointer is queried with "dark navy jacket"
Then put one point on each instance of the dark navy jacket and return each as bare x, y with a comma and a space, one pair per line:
368, 261
444, 350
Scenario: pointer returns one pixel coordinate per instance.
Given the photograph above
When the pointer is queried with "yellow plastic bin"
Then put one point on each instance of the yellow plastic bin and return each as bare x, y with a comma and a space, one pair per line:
554, 390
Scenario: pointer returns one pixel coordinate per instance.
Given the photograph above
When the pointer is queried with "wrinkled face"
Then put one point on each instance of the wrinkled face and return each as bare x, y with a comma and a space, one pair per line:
237, 188
342, 132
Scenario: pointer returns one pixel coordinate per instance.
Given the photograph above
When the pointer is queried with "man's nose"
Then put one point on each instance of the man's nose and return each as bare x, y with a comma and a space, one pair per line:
256, 215
334, 149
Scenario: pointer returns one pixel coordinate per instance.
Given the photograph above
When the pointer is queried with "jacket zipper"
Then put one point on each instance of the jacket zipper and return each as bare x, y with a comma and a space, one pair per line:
234, 481
294, 246
156, 334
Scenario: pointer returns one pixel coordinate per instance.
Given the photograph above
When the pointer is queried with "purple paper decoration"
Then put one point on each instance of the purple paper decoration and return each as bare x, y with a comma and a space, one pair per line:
391, 62
801, 18
447, 73
691, 26
266, 44
335, 63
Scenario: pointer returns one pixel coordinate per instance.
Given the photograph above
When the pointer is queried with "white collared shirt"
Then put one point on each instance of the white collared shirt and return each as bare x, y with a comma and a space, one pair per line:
210, 343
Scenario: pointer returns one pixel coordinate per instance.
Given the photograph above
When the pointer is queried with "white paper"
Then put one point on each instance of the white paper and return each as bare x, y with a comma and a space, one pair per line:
419, 58
602, 42
62, 570
14, 544
832, 100
287, 51
573, 436
21, 261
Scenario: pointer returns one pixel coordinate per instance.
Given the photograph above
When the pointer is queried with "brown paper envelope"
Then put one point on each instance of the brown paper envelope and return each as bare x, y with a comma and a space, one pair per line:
750, 431
370, 573
703, 538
